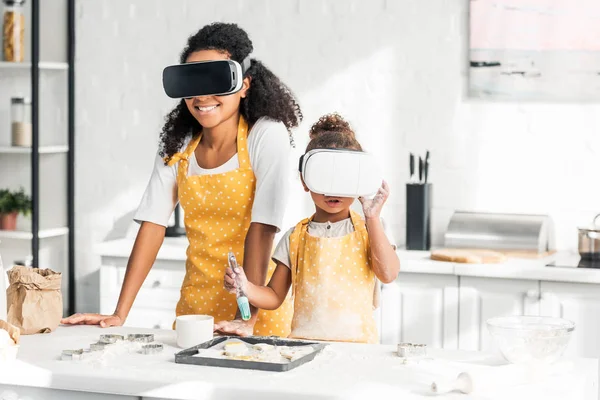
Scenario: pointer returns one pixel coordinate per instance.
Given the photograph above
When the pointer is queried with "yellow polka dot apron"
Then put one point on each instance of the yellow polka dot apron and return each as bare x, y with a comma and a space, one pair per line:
217, 214
332, 285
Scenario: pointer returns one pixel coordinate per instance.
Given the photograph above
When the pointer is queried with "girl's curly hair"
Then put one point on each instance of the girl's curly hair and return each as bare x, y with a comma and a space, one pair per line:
332, 131
266, 97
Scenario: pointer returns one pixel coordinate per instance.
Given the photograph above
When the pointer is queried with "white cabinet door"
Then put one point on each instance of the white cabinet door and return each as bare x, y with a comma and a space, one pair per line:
420, 308
483, 298
160, 290
580, 303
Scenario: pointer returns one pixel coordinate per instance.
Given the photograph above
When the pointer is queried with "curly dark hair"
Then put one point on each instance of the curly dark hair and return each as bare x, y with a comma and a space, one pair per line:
332, 131
266, 97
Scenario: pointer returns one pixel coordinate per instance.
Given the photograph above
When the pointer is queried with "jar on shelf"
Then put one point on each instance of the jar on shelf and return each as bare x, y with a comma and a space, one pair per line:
20, 109
13, 31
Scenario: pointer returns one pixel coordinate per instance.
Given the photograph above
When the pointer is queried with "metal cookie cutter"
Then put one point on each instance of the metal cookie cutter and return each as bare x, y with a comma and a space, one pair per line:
408, 350
110, 339
69, 355
98, 346
141, 338
152, 348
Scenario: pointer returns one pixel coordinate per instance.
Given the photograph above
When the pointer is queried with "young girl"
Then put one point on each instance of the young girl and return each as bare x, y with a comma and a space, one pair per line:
330, 260
225, 160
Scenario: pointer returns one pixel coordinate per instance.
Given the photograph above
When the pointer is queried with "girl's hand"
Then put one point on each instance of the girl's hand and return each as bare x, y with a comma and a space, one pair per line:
237, 327
372, 208
235, 280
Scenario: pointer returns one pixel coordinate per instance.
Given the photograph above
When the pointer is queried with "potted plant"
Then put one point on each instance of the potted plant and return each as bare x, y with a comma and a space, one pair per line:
11, 204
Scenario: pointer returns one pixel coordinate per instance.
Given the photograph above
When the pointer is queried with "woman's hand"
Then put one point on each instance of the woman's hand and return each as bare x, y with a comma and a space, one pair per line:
235, 280
104, 321
237, 327
372, 208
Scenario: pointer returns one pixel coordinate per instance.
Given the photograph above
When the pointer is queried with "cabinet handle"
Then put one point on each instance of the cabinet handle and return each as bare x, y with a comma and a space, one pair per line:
533, 294
156, 284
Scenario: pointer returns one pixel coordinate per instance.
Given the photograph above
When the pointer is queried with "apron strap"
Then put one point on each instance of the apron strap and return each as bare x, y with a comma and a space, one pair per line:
359, 223
361, 226
186, 153
242, 147
242, 143
297, 244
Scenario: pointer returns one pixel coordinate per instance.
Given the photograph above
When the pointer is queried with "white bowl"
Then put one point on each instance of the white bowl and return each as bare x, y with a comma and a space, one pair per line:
8, 353
525, 339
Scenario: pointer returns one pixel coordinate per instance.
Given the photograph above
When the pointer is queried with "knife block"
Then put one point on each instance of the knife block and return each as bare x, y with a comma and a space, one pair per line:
418, 216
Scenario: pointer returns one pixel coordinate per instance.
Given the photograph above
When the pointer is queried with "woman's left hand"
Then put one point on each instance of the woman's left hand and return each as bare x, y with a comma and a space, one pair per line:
236, 327
372, 207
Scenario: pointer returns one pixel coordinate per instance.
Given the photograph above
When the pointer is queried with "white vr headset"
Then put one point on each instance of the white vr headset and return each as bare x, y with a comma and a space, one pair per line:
340, 172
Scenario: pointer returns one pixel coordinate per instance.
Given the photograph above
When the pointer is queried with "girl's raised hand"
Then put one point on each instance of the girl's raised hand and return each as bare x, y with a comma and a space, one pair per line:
372, 207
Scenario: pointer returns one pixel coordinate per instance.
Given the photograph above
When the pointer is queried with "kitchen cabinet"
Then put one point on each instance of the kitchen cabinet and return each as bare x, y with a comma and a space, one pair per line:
580, 303
154, 306
484, 298
421, 308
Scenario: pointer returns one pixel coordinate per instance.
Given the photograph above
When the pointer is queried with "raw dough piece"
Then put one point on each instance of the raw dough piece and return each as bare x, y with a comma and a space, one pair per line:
263, 347
293, 353
241, 357
235, 349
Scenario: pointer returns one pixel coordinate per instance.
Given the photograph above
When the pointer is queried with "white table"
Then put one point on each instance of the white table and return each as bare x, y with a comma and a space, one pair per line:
343, 371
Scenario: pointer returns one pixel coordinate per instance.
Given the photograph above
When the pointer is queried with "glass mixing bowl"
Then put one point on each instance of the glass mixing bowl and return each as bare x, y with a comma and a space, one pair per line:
524, 339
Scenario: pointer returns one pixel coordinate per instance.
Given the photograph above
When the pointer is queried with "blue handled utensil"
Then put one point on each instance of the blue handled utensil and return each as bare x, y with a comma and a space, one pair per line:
242, 300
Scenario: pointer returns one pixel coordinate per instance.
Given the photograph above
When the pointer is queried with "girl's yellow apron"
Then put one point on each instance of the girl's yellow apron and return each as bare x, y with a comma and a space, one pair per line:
332, 285
217, 213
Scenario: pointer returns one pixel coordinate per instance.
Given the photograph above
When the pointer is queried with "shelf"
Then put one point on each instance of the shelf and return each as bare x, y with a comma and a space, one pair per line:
27, 150
45, 65
43, 234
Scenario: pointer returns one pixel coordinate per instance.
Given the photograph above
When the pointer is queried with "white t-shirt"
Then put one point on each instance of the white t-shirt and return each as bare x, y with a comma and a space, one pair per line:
269, 149
318, 229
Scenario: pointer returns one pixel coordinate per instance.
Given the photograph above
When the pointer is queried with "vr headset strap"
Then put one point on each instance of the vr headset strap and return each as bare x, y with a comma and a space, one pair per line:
246, 65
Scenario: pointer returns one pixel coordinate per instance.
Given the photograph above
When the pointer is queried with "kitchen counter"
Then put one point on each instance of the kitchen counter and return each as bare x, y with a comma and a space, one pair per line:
342, 371
173, 249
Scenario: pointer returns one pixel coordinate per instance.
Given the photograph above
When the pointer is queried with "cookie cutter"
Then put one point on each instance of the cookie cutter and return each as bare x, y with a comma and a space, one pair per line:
152, 348
407, 350
69, 355
110, 339
141, 338
98, 346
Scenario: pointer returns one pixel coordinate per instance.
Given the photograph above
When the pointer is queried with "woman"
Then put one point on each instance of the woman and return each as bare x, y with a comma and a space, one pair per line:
225, 159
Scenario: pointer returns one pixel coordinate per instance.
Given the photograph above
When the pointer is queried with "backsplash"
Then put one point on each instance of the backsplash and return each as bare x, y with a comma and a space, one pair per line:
395, 69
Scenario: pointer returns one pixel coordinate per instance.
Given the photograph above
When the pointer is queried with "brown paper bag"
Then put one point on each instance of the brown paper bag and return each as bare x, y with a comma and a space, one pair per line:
34, 299
13, 331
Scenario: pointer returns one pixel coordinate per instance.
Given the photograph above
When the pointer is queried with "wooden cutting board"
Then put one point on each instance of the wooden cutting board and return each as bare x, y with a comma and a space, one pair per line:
468, 256
479, 256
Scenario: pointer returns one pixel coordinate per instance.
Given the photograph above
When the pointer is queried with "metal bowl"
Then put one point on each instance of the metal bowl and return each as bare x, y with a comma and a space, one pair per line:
526, 339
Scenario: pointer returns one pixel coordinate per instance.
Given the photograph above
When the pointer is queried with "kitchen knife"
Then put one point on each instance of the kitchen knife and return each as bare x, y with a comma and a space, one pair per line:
412, 168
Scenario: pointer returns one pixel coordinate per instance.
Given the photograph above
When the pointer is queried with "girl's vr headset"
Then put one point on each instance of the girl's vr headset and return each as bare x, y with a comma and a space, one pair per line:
340, 172
204, 78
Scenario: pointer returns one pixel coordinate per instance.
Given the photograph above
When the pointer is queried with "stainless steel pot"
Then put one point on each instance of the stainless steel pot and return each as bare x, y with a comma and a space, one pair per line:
589, 240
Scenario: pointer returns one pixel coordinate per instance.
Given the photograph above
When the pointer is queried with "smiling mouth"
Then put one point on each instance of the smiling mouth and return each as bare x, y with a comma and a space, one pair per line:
332, 202
206, 108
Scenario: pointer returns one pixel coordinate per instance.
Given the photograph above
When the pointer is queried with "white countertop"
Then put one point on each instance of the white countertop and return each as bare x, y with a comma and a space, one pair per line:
342, 371
173, 249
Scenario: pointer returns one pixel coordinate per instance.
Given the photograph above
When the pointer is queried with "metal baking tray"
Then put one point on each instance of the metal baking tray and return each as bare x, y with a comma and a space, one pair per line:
187, 356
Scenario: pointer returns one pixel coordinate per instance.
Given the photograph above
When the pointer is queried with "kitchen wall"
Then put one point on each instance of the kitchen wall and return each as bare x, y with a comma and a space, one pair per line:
397, 69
